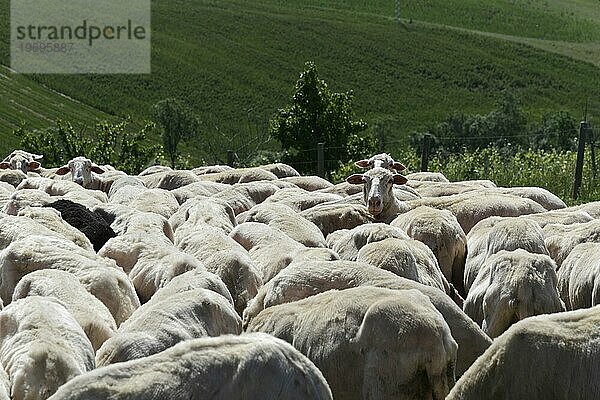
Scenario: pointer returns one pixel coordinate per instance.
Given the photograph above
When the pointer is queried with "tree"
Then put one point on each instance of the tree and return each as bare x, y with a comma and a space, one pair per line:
178, 123
127, 149
319, 115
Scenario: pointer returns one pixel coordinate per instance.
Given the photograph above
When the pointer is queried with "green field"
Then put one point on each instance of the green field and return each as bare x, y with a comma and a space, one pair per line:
235, 62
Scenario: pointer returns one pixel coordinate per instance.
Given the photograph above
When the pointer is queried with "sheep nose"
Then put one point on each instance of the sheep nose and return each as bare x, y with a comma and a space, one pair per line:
78, 181
375, 201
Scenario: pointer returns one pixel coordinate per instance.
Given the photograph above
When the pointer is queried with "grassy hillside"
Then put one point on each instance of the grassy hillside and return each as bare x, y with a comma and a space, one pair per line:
24, 101
235, 62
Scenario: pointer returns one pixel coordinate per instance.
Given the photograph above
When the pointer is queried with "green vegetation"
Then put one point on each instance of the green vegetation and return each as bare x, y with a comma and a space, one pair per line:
108, 143
234, 63
505, 126
318, 115
552, 170
178, 123
26, 102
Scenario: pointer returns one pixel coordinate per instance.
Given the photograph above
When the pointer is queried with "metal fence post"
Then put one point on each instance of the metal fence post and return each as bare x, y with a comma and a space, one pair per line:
425, 153
321, 159
580, 157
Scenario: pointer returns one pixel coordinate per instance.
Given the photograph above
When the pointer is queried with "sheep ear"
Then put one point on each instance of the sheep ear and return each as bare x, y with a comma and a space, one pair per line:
37, 156
97, 169
62, 170
398, 166
33, 165
4, 165
356, 179
400, 179
362, 163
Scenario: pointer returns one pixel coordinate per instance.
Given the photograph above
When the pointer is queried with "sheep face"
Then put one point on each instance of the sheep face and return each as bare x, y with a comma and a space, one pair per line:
20, 163
81, 169
382, 160
378, 186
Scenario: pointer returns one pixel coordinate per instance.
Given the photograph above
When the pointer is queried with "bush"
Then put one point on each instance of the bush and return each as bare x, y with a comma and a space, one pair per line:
318, 115
505, 126
108, 143
551, 169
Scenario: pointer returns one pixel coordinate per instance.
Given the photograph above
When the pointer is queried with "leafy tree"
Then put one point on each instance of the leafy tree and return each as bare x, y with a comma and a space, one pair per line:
108, 143
319, 115
178, 123
504, 127
556, 131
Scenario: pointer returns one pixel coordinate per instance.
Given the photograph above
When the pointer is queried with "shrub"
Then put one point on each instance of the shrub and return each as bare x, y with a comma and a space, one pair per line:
319, 115
108, 143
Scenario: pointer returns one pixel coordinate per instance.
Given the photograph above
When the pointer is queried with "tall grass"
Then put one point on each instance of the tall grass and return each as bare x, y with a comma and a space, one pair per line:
553, 170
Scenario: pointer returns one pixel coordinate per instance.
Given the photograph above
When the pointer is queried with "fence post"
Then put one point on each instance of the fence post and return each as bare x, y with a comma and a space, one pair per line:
230, 158
425, 153
321, 159
580, 156
592, 140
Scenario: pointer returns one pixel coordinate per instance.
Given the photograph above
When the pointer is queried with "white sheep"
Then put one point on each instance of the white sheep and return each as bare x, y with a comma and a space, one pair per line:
168, 179
239, 175
100, 276
128, 220
467, 208
202, 211
211, 169
81, 169
272, 250
4, 384
13, 228
428, 177
554, 356
562, 239
441, 232
21, 161
378, 194
511, 286
579, 277
307, 278
382, 160
348, 242
280, 170
158, 201
491, 235
20, 199
191, 280
407, 258
243, 196
162, 323
198, 189
300, 199
51, 218
333, 217
369, 342
284, 218
309, 183
592, 208
89, 312
41, 347
12, 177
253, 366
226, 258
65, 188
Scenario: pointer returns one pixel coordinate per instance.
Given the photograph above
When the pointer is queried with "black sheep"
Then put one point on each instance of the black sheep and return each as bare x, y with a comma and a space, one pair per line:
92, 225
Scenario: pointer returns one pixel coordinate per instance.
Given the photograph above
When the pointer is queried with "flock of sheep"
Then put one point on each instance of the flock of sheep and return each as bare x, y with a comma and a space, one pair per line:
259, 283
